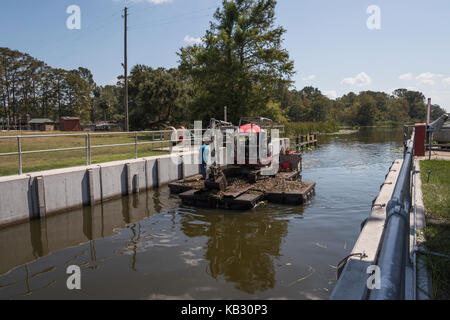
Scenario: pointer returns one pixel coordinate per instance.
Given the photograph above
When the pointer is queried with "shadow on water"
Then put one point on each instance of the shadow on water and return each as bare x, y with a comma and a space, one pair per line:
150, 246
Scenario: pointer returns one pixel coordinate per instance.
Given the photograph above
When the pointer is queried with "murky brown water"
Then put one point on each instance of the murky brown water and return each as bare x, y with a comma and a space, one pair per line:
152, 247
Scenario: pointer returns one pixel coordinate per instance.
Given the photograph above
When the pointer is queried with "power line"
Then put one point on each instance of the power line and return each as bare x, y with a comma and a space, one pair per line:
84, 36
171, 19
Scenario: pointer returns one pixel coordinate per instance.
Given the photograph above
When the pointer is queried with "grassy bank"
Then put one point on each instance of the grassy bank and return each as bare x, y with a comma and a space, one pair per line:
294, 129
62, 159
436, 195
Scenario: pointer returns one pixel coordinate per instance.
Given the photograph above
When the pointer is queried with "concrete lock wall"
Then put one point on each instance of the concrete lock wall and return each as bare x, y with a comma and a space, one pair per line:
43, 193
16, 203
44, 236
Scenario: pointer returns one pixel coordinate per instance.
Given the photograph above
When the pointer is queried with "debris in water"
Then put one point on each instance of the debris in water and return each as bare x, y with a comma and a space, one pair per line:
304, 278
321, 245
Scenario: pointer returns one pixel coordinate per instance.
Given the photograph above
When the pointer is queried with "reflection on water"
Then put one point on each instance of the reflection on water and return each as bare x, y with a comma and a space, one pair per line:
240, 247
150, 246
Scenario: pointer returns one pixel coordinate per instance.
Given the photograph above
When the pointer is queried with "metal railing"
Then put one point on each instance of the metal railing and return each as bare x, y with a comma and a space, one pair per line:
157, 137
393, 256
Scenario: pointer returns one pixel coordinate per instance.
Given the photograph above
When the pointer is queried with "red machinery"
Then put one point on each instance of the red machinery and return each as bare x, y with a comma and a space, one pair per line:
261, 128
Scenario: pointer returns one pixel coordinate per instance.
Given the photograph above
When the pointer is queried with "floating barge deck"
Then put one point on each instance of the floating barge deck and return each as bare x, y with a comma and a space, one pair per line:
283, 188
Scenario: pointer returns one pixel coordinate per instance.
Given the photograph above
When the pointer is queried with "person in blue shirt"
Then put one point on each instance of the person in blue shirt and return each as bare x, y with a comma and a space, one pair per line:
204, 154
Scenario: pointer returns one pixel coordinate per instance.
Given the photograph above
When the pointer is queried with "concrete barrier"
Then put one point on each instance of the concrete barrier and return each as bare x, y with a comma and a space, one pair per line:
16, 199
151, 172
113, 178
190, 164
170, 169
62, 189
44, 193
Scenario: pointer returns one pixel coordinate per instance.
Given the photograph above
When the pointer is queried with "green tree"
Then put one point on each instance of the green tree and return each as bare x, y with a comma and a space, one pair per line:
367, 110
108, 104
416, 103
87, 76
158, 97
436, 112
241, 62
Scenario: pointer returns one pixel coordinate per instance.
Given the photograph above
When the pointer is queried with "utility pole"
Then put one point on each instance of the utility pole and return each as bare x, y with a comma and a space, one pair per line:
125, 67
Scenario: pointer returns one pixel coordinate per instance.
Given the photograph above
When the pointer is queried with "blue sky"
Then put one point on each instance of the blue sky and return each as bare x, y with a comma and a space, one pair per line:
329, 41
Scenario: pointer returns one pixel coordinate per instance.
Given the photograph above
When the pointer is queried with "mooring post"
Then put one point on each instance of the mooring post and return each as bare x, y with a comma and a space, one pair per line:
41, 196
90, 175
137, 187
129, 179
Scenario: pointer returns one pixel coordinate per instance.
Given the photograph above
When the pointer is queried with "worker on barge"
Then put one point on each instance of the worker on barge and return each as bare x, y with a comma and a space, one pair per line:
204, 154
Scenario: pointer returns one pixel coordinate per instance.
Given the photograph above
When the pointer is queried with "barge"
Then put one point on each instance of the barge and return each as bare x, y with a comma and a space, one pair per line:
244, 184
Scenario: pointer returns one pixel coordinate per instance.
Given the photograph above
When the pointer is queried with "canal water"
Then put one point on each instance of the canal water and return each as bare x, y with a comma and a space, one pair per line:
152, 247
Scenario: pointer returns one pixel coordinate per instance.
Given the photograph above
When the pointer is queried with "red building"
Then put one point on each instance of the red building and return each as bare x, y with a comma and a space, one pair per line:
69, 124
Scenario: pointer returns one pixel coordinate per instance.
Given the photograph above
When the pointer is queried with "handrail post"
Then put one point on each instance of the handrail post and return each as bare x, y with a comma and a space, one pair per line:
87, 148
135, 145
19, 151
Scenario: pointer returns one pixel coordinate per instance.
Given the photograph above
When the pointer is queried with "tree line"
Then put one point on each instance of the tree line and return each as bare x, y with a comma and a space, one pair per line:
240, 63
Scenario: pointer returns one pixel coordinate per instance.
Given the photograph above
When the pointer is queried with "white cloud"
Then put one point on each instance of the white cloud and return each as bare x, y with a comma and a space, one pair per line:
332, 94
151, 1
309, 78
446, 80
189, 39
427, 78
360, 80
159, 1
406, 77
427, 82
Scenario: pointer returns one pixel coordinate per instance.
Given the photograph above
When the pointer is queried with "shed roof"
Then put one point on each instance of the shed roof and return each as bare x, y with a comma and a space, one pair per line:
40, 121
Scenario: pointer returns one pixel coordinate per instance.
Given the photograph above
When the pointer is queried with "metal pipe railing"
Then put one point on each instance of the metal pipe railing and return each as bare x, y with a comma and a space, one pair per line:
395, 245
158, 137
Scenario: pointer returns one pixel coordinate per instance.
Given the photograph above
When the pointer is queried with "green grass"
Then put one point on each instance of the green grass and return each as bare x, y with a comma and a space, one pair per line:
436, 195
63, 159
303, 128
